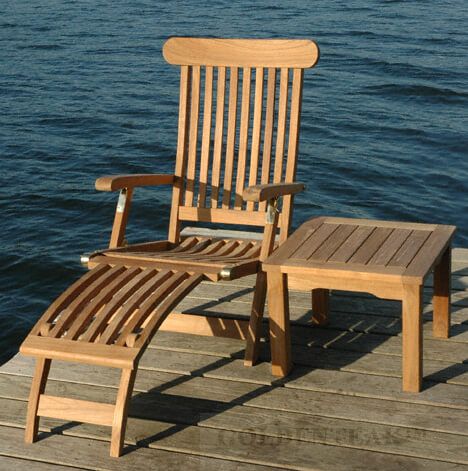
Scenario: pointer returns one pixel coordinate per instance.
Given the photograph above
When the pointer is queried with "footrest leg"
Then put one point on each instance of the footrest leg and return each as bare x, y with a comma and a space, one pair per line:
127, 380
37, 388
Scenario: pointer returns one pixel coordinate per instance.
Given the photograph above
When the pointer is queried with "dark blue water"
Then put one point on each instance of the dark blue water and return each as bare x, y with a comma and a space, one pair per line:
85, 92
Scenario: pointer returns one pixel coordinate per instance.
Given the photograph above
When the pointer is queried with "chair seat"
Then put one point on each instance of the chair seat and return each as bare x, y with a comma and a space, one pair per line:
216, 257
102, 317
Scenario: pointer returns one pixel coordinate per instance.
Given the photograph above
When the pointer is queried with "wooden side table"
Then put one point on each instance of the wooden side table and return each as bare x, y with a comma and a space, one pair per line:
387, 259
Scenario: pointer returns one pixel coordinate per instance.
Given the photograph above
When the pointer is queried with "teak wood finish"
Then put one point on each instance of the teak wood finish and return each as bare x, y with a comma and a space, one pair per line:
238, 134
387, 259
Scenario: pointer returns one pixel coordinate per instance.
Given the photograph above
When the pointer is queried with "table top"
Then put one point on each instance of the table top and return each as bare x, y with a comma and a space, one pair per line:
388, 250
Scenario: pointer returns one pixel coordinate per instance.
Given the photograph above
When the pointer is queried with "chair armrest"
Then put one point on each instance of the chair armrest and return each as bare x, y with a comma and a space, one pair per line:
265, 192
117, 182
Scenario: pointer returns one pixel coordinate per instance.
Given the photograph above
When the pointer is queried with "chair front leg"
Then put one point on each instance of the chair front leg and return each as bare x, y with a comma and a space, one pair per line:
258, 304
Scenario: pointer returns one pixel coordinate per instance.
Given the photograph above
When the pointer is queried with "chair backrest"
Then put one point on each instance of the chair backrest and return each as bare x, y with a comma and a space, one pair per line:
229, 140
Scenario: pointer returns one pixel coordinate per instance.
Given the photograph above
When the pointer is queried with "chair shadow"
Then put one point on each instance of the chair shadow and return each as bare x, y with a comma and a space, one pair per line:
310, 343
180, 411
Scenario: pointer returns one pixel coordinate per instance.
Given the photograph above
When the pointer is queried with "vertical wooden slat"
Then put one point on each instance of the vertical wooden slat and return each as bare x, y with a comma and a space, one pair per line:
268, 136
206, 136
281, 129
218, 140
256, 131
231, 135
243, 137
174, 225
293, 144
294, 123
193, 136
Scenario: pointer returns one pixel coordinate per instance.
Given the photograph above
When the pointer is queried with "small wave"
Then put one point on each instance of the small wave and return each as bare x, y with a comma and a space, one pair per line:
84, 122
445, 179
402, 131
42, 29
152, 148
400, 69
445, 95
45, 47
362, 34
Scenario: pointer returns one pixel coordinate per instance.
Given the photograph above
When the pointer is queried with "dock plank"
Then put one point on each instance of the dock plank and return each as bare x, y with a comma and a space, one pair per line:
435, 349
20, 464
213, 392
326, 380
206, 295
249, 442
90, 454
358, 322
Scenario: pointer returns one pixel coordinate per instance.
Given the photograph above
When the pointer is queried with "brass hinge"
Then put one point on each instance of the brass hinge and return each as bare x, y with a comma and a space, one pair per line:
272, 210
122, 200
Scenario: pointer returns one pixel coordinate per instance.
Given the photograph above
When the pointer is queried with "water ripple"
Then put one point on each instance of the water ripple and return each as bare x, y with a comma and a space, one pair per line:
86, 92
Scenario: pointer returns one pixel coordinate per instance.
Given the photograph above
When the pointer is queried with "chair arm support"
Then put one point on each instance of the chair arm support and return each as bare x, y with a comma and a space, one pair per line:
268, 191
117, 182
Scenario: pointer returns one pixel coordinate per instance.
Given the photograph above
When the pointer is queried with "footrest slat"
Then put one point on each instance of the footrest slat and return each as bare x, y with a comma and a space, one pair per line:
81, 352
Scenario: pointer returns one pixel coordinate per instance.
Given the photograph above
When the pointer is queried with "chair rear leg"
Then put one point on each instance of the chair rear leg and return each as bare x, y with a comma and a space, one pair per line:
37, 388
119, 424
255, 323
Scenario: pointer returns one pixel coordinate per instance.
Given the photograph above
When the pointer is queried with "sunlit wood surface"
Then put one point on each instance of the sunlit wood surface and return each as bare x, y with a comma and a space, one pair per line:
195, 405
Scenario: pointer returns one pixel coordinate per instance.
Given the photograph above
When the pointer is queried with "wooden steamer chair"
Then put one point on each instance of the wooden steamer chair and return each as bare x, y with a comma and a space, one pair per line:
244, 162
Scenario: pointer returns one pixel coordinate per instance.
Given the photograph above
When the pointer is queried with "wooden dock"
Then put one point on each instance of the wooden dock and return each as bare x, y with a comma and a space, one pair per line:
196, 406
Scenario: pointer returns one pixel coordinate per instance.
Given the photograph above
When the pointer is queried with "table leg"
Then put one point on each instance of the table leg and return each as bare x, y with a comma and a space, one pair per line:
278, 310
412, 338
320, 306
441, 298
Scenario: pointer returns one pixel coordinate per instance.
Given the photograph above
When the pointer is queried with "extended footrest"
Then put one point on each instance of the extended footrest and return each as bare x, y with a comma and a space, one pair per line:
107, 318
109, 315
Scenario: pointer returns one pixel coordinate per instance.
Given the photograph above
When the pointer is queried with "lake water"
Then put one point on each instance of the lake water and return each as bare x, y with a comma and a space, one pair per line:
86, 92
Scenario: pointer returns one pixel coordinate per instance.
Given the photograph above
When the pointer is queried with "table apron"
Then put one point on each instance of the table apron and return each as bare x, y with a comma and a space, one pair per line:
385, 290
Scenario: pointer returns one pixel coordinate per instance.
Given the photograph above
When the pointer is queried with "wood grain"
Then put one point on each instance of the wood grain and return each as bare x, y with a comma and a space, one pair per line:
241, 52
109, 317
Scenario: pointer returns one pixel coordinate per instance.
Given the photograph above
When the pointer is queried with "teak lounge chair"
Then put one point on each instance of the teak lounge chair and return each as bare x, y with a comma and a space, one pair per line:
233, 173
